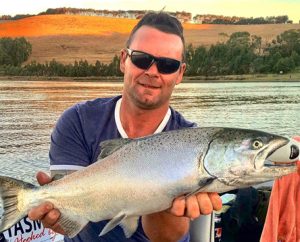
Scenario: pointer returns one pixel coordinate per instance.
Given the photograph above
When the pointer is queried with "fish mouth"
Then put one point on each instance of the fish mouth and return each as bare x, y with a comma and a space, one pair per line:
269, 163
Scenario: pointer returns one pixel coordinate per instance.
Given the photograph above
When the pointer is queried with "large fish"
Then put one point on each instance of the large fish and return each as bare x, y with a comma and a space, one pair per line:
143, 176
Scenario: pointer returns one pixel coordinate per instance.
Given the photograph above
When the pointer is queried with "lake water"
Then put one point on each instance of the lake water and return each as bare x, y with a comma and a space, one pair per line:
29, 110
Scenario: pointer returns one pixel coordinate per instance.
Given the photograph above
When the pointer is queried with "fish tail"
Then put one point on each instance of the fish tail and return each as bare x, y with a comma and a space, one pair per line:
11, 191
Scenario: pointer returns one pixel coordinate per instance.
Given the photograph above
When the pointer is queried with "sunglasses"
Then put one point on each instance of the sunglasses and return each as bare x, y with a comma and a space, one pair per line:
144, 61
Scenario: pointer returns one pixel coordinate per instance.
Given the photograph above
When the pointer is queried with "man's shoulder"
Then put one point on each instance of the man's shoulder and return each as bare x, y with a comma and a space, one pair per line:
178, 121
90, 107
88, 117
98, 103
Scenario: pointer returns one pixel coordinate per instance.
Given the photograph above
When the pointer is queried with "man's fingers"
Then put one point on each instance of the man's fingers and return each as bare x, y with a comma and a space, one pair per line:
43, 178
178, 207
192, 207
215, 200
48, 216
205, 204
39, 212
51, 221
51, 218
195, 205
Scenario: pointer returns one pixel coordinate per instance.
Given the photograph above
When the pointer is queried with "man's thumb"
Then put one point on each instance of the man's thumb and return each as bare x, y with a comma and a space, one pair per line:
43, 178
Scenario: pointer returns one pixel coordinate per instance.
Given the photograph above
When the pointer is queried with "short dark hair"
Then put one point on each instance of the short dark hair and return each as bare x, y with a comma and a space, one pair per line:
163, 22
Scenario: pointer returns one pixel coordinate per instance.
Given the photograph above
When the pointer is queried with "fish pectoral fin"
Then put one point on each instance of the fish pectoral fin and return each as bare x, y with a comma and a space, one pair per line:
202, 186
71, 224
113, 223
129, 225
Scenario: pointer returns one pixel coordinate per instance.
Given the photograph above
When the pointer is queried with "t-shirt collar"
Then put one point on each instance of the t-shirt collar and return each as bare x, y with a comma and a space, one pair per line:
121, 130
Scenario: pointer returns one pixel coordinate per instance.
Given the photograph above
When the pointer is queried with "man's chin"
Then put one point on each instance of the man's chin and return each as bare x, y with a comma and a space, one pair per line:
148, 103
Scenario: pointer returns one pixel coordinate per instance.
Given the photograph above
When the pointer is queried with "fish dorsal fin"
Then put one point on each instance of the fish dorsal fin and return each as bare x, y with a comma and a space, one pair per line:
129, 225
110, 146
113, 223
71, 224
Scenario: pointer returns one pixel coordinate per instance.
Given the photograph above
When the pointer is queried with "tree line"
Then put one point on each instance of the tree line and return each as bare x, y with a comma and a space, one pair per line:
205, 18
220, 19
243, 53
79, 68
239, 53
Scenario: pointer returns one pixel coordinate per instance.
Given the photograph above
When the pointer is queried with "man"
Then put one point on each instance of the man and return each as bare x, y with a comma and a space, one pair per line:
283, 216
152, 63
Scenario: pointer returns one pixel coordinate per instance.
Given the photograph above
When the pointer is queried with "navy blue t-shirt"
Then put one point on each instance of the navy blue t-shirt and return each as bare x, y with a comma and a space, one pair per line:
75, 143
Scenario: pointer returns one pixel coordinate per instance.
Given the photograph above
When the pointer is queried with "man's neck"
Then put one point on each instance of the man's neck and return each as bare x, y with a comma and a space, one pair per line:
139, 122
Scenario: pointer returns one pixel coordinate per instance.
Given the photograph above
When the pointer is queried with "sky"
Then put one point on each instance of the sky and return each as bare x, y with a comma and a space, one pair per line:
240, 8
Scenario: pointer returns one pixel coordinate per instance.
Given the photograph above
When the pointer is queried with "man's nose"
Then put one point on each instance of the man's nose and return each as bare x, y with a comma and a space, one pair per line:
152, 69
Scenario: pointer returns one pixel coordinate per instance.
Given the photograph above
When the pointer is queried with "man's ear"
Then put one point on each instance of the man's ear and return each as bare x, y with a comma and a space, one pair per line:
123, 57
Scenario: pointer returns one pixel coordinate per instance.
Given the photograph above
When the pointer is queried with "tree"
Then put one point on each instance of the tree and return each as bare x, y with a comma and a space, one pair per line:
296, 58
113, 69
256, 43
223, 37
196, 60
284, 65
14, 51
239, 39
289, 41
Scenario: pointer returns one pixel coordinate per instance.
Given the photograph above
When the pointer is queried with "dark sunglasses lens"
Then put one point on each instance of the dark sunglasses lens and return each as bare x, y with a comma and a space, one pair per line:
141, 60
167, 66
164, 65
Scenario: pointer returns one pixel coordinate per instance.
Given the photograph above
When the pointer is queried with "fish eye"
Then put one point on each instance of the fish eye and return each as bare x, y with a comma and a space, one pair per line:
257, 144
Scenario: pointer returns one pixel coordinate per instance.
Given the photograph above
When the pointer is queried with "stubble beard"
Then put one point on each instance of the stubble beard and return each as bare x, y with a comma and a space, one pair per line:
143, 102
145, 99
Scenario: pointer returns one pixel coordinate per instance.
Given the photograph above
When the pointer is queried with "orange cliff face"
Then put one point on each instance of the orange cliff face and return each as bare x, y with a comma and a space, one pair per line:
66, 38
45, 25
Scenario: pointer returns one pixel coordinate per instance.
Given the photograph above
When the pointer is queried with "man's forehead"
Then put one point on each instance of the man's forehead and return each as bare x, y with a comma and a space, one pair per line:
146, 30
150, 37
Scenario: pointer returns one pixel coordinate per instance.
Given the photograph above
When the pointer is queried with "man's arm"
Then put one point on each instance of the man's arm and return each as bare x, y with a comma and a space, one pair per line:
173, 224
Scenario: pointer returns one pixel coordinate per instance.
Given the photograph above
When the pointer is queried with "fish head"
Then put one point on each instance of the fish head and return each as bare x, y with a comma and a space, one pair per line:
239, 157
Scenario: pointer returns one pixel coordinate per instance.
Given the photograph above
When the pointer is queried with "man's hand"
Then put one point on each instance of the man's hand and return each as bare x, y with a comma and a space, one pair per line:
193, 206
46, 212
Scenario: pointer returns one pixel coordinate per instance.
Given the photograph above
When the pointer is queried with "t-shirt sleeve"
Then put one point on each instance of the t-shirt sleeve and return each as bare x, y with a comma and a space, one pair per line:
68, 148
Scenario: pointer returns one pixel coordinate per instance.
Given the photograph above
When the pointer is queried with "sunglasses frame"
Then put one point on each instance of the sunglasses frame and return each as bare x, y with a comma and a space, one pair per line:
155, 59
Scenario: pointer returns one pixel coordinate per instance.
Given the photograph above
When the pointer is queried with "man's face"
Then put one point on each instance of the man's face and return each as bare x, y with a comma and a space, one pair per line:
150, 89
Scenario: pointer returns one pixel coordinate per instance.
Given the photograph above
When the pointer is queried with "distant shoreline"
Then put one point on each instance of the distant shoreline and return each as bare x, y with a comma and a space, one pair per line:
292, 77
